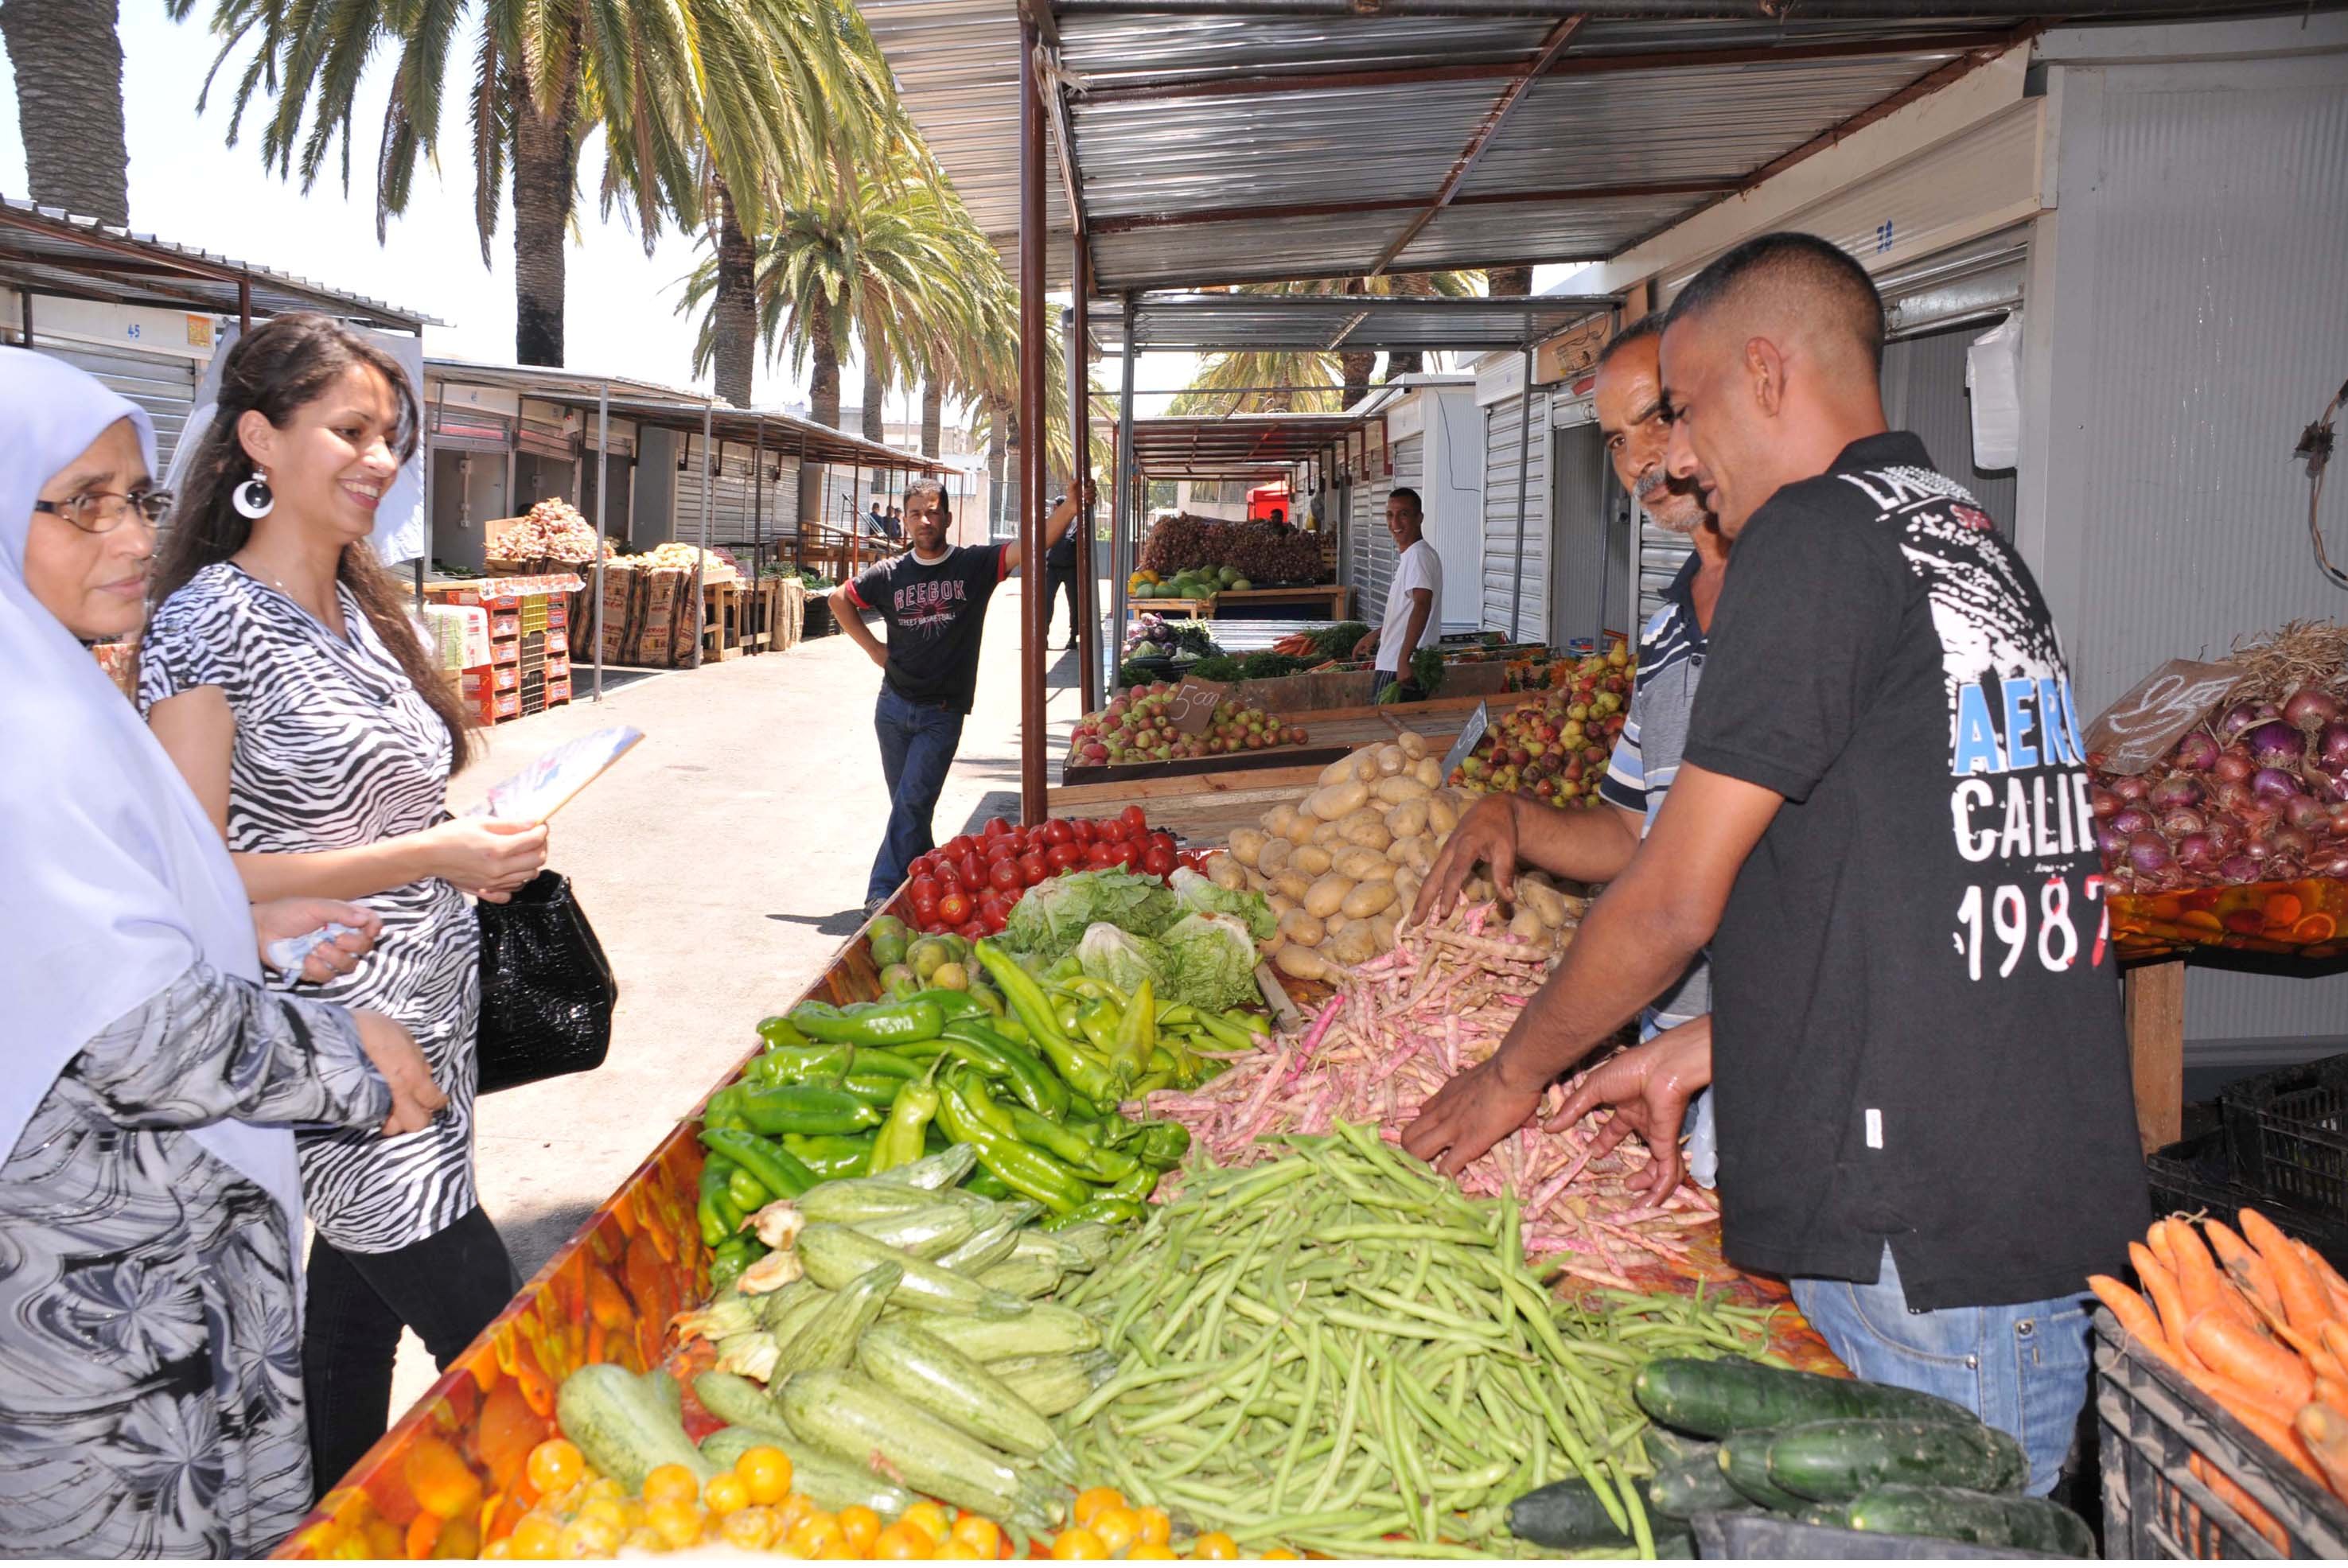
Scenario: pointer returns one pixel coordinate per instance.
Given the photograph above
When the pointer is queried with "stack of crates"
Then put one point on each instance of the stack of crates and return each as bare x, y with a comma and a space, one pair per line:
529, 659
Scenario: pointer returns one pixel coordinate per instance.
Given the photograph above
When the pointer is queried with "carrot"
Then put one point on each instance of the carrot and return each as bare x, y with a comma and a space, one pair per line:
2332, 1393
2161, 1285
2157, 1238
2333, 1339
2304, 1299
2204, 1290
2325, 1432
2138, 1319
2270, 1425
2241, 1355
2252, 1274
2235, 1498
2335, 1288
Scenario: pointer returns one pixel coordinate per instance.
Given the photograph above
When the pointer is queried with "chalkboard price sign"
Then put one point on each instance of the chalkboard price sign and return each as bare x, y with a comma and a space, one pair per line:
1469, 734
1190, 707
2137, 731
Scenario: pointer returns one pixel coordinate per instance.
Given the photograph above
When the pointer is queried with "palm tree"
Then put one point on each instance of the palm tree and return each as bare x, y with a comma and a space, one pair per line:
1346, 373
68, 66
730, 99
1216, 389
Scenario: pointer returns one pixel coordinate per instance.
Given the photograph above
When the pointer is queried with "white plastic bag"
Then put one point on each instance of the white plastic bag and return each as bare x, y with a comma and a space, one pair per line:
1993, 377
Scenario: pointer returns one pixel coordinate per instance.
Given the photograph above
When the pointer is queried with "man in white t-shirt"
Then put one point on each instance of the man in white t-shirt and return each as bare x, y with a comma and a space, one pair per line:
1412, 620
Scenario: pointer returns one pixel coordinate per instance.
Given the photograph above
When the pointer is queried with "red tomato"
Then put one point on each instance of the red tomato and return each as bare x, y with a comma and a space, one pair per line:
1101, 855
1135, 820
996, 848
1033, 868
925, 915
973, 875
1065, 857
948, 878
956, 847
996, 826
925, 887
1126, 853
1003, 873
995, 920
1163, 840
1157, 861
954, 907
1055, 832
1108, 830
1084, 830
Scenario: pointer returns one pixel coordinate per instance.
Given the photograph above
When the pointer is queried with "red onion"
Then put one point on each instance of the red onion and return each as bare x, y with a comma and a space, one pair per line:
2198, 852
2310, 708
2242, 716
2225, 832
2307, 813
2233, 765
2131, 788
2133, 821
2289, 844
2103, 803
2197, 751
2275, 745
2275, 785
2175, 824
2329, 786
2176, 790
2339, 819
2110, 842
2238, 868
2337, 865
2232, 795
2148, 852
2331, 745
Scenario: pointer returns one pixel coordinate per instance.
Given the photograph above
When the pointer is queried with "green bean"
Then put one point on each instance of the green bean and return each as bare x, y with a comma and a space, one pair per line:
1393, 1303
1344, 1425
1311, 1403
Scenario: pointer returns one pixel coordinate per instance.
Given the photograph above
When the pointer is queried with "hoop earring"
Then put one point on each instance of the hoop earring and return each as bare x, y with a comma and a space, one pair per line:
253, 499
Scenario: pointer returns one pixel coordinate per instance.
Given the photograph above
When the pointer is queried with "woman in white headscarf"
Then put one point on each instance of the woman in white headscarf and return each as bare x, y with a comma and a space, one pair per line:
150, 1202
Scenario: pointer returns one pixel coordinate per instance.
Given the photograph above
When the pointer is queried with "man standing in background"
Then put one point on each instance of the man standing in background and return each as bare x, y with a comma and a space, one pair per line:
1060, 577
1414, 618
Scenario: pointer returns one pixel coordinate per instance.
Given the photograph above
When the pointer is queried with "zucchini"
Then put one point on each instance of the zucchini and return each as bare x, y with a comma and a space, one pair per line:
825, 1480
1024, 1274
854, 1418
924, 1232
1834, 1461
803, 1309
936, 1172
626, 1425
859, 1199
949, 1385
1567, 1513
738, 1402
1714, 1398
1954, 1514
1045, 1329
1745, 1461
987, 1247
1692, 1483
1082, 1246
830, 1335
1051, 1384
834, 1254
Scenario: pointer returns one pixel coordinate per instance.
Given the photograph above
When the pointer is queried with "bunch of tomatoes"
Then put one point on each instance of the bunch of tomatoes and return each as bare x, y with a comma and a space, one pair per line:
969, 883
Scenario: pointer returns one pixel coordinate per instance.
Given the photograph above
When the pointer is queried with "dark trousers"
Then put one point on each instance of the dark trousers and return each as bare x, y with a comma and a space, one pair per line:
447, 1288
1056, 581
917, 747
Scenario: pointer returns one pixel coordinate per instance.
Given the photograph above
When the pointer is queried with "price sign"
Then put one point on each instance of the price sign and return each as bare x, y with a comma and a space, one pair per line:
1192, 708
1469, 734
2137, 731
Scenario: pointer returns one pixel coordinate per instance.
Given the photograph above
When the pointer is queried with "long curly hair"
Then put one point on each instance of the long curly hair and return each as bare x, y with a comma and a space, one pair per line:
274, 369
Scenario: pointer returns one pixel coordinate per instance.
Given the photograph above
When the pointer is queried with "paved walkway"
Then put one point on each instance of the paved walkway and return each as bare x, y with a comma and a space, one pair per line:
723, 862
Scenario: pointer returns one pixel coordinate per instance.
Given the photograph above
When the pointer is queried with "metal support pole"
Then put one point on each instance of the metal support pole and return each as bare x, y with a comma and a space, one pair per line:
25, 309
603, 503
1120, 512
758, 508
1080, 445
708, 486
244, 305
1524, 457
1032, 437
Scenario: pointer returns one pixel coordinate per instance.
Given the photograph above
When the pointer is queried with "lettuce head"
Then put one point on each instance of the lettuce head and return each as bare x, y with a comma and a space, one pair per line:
1209, 962
1109, 953
1197, 895
1057, 912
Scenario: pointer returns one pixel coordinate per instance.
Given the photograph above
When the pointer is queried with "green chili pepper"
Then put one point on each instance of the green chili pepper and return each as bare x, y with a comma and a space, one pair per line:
870, 1023
776, 1167
917, 1053
799, 1064
727, 1262
1100, 1211
1099, 1023
878, 1089
1066, 968
1149, 1084
953, 1004
985, 1183
1031, 1173
1036, 1086
973, 1089
1169, 1015
1082, 1073
1161, 1060
1134, 1188
1069, 1012
780, 1031
715, 1171
884, 1060
1162, 1144
901, 1136
1104, 1165
1136, 1035
749, 1194
834, 1155
987, 1000
1228, 1031
1012, 1029
1086, 986
806, 1109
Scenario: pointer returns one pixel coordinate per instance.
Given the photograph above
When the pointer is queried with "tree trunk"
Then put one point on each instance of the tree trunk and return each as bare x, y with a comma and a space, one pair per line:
545, 170
933, 415
1507, 282
823, 396
998, 460
876, 399
1409, 362
1355, 369
68, 65
734, 308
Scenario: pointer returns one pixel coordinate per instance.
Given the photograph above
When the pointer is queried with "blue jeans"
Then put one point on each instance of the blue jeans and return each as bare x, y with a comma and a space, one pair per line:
2024, 1369
917, 747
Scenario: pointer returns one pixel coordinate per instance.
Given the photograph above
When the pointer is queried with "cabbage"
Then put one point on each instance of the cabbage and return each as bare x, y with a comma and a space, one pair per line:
1052, 918
1209, 962
1111, 954
1198, 896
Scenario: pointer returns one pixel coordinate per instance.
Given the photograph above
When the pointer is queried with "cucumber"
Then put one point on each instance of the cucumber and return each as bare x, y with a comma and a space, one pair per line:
830, 1335
825, 1480
1051, 1384
1567, 1513
738, 1402
1714, 1398
1693, 1484
1025, 1274
626, 1425
834, 1254
1834, 1461
1833, 1515
1954, 1514
854, 1418
1745, 1461
1045, 1329
949, 1385
924, 1232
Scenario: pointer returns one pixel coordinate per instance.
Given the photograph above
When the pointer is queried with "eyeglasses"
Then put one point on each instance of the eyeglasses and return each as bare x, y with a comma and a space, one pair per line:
103, 511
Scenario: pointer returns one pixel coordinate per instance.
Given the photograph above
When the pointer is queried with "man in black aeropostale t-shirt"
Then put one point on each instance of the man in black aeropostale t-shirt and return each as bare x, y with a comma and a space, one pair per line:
933, 600
1881, 824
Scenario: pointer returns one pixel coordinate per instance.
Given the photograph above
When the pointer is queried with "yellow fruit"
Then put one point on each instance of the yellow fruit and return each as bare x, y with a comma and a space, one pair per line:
678, 1524
556, 1465
604, 1510
499, 1551
930, 1518
1092, 1500
812, 1535
983, 1536
860, 1525
1078, 1545
750, 1528
671, 1483
587, 1538
605, 1486
955, 1551
1119, 1527
534, 1537
767, 1473
1215, 1546
1152, 1526
643, 1540
1281, 1555
724, 1493
903, 1542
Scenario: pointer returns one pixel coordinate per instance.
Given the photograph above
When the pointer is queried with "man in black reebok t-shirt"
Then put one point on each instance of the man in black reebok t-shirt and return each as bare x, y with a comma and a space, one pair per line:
1880, 824
933, 600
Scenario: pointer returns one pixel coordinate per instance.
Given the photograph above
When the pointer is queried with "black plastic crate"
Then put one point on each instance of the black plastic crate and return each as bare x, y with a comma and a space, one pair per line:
2199, 1175
1770, 1538
2289, 1132
2159, 1503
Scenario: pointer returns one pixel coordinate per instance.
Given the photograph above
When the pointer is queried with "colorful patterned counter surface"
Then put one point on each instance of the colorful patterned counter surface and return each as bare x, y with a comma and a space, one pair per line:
2305, 918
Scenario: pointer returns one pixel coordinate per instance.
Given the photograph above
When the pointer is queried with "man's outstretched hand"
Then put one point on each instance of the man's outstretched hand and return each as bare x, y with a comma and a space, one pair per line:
1469, 1115
1648, 1088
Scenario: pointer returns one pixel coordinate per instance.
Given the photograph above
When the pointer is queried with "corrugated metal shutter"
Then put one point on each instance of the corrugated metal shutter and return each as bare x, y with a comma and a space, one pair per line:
1501, 563
1579, 534
1924, 391
1662, 553
735, 501
164, 387
1370, 552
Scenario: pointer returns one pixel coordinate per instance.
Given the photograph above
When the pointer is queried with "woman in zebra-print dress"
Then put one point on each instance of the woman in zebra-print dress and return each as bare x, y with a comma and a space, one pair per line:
283, 677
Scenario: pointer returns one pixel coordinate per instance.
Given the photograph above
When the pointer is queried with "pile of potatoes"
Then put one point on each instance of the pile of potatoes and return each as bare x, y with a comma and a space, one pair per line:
1343, 865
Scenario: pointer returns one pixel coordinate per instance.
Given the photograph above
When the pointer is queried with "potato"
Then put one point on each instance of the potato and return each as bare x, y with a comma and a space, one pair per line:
1291, 887
1442, 813
1338, 772
1363, 864
1546, 903
1300, 963
1312, 859
1406, 885
1334, 800
1412, 744
1398, 789
1326, 896
1227, 873
1296, 926
1247, 843
1366, 827
1279, 904
1366, 763
1302, 826
1417, 853
1382, 927
1326, 835
1271, 950
1258, 882
1275, 854
1429, 771
1366, 899
1275, 821
1352, 943
1408, 820
1391, 760
1525, 924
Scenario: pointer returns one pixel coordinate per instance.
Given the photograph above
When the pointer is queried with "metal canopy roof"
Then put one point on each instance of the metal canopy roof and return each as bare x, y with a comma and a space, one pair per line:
1362, 324
1236, 446
51, 251
667, 407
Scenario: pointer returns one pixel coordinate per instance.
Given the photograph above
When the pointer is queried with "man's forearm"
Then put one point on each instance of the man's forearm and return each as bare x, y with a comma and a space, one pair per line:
1590, 844
1628, 949
845, 610
1056, 525
1412, 630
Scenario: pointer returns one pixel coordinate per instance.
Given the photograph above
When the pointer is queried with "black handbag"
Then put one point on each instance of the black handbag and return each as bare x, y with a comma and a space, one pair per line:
547, 991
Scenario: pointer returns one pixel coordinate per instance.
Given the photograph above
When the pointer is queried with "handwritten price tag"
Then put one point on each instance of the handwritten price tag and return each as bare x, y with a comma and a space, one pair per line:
2136, 732
1469, 734
1192, 709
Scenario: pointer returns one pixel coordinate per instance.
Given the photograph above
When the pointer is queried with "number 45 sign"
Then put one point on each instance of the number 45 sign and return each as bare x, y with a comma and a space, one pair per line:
2136, 732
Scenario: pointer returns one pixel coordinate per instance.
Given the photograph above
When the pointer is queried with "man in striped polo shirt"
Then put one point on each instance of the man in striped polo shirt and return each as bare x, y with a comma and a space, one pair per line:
1594, 845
